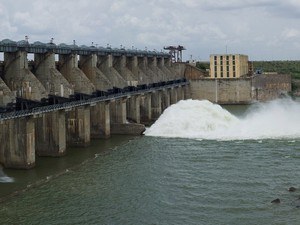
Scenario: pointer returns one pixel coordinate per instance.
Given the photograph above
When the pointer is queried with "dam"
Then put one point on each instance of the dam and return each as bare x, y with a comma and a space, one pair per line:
69, 94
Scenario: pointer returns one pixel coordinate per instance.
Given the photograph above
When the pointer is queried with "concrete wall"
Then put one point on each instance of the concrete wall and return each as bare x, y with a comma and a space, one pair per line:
222, 91
192, 72
241, 90
270, 86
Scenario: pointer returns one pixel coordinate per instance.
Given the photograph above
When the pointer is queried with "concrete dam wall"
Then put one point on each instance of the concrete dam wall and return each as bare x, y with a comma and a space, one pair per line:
241, 91
48, 105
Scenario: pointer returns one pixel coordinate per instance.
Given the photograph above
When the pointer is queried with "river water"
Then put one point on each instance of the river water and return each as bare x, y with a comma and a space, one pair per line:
198, 164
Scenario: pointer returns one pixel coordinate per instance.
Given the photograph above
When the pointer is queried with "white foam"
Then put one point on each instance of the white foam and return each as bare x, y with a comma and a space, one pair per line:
6, 179
204, 120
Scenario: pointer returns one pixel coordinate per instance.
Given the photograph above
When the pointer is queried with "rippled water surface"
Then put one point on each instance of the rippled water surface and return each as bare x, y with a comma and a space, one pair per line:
153, 180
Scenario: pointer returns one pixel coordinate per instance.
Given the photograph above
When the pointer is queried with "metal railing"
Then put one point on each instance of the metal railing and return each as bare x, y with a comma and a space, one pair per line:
7, 45
91, 101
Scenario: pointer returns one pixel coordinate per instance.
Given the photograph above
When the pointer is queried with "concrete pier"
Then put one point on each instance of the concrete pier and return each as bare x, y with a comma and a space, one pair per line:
78, 127
173, 95
50, 77
146, 110
133, 65
17, 137
161, 65
88, 64
120, 64
156, 104
105, 64
119, 123
100, 120
166, 100
51, 134
68, 66
180, 93
143, 65
19, 79
118, 111
152, 63
133, 109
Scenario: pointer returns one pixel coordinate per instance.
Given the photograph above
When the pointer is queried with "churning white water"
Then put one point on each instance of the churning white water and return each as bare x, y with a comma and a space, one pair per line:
204, 120
4, 178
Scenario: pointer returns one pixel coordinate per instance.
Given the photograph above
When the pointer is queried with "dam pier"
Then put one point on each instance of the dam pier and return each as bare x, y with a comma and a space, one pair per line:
68, 95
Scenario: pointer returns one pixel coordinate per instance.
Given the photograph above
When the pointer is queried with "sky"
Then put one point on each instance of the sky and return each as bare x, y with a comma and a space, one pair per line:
262, 29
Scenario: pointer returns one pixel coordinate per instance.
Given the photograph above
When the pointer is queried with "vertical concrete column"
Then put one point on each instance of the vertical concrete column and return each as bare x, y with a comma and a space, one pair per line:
105, 64
19, 78
120, 64
143, 63
133, 108
153, 64
180, 93
166, 100
173, 96
50, 77
17, 149
50, 137
69, 68
133, 65
161, 65
88, 64
78, 127
156, 104
145, 110
118, 111
100, 120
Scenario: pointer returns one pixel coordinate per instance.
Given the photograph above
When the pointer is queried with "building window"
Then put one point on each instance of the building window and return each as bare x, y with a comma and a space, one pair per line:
227, 73
234, 68
233, 62
216, 68
215, 58
233, 57
227, 68
233, 73
227, 62
221, 73
216, 74
221, 57
215, 62
227, 57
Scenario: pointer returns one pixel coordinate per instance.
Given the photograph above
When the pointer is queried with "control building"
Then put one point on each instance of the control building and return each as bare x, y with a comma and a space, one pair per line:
228, 66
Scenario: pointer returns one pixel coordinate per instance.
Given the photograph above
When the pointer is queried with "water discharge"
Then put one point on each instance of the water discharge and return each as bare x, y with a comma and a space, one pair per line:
4, 178
204, 120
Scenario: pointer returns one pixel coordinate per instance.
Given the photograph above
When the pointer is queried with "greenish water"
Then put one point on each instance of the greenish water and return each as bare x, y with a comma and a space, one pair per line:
165, 181
153, 180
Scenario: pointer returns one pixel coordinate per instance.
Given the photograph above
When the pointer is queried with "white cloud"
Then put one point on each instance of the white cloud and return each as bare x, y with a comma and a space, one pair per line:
291, 33
253, 26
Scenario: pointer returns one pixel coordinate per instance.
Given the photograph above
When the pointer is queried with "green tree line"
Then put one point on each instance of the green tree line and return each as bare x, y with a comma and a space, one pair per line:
285, 67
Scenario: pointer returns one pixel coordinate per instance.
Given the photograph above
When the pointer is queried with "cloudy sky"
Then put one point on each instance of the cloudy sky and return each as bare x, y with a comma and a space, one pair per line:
263, 29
